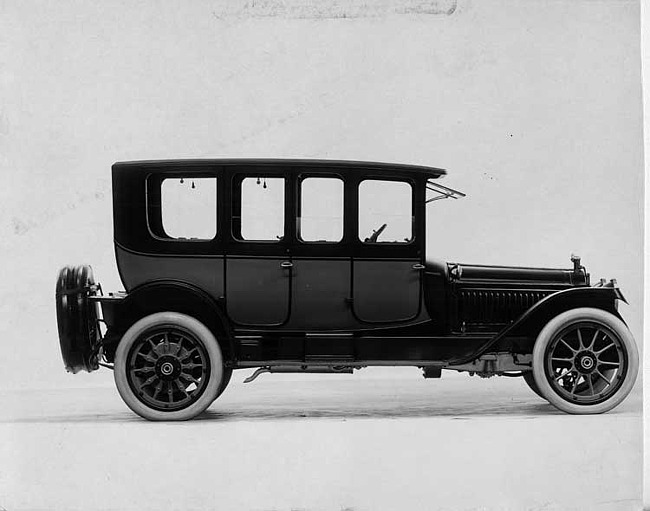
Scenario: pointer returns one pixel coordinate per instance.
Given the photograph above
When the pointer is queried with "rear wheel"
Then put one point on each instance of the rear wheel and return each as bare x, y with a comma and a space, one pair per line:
227, 374
168, 366
585, 361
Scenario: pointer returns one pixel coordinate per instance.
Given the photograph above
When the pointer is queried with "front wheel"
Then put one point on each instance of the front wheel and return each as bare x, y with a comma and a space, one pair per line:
168, 366
585, 361
529, 378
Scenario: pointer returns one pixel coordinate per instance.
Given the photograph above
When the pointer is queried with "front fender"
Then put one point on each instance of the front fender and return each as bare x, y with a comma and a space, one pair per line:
534, 319
525, 329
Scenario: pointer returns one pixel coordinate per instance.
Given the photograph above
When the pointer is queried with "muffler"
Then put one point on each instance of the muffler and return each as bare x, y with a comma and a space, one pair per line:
299, 369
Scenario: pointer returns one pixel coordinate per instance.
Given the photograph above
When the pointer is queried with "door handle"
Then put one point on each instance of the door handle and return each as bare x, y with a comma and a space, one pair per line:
286, 264
418, 266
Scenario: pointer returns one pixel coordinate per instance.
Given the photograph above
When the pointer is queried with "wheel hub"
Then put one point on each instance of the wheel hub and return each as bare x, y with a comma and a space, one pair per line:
168, 367
586, 362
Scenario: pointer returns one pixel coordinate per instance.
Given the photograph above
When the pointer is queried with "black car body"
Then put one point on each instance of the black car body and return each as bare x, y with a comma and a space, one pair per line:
290, 303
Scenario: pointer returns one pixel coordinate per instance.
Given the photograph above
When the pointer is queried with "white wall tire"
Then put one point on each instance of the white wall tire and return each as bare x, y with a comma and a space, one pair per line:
585, 361
225, 380
529, 378
168, 367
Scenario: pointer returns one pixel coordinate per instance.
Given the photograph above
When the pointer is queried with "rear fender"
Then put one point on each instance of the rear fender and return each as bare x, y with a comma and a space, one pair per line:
172, 296
525, 329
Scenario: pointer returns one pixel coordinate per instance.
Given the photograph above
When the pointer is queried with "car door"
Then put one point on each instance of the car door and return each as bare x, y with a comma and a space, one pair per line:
258, 266
321, 256
387, 270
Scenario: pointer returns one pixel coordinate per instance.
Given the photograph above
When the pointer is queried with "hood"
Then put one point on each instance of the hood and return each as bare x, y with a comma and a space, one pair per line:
517, 275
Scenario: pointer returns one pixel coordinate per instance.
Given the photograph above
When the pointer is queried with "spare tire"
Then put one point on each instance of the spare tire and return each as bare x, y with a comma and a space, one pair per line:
76, 315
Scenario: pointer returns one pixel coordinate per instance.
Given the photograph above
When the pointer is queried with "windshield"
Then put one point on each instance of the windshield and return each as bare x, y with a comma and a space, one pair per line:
439, 192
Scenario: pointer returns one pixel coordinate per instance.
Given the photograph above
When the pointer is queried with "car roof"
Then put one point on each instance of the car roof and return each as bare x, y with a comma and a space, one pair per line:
298, 164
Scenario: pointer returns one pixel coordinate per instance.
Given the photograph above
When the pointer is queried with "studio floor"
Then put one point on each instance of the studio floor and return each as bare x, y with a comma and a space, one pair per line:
362, 443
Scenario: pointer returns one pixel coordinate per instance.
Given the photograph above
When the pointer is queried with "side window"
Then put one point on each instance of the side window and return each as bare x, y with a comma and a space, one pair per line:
321, 210
385, 211
262, 208
188, 207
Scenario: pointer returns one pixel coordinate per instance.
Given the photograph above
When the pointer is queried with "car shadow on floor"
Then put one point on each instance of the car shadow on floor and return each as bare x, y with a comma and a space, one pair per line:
323, 411
401, 411
299, 401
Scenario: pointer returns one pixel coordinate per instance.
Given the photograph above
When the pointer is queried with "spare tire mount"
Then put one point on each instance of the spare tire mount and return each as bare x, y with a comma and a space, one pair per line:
77, 319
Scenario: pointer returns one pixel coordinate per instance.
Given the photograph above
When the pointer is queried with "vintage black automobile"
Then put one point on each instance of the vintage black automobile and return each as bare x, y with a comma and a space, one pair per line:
318, 266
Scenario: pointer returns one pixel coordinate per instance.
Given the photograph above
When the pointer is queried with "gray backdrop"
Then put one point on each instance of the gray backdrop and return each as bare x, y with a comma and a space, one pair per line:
534, 107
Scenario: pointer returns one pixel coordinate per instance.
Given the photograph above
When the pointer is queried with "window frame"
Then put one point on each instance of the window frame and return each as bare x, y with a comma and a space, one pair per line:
298, 207
236, 183
153, 187
414, 235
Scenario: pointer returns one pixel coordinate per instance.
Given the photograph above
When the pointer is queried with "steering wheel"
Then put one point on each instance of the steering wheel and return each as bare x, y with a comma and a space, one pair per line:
375, 234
